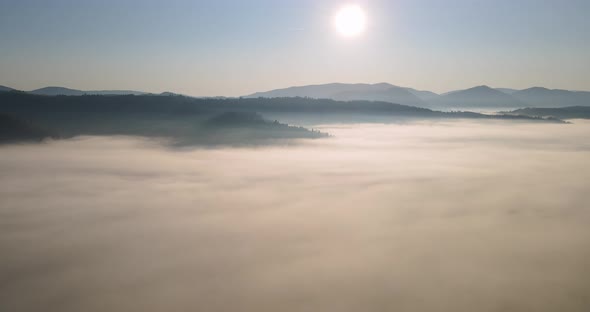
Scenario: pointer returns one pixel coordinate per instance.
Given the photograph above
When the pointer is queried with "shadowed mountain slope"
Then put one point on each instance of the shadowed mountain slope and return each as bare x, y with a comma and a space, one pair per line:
424, 95
5, 89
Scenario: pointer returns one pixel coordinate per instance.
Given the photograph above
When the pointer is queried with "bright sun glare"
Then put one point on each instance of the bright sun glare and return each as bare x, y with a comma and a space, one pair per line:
350, 21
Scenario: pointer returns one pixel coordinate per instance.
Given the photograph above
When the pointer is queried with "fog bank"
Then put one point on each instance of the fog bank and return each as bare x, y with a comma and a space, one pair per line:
444, 216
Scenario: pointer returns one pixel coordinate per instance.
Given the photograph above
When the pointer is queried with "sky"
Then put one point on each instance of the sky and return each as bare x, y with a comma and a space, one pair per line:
233, 48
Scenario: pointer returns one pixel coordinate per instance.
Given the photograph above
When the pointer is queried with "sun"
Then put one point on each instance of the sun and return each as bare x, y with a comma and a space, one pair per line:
350, 21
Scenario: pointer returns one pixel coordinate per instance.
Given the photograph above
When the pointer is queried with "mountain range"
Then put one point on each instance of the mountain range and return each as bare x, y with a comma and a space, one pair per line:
54, 91
480, 97
66, 91
476, 98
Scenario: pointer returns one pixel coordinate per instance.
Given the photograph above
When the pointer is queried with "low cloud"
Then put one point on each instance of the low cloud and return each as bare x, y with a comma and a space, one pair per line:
444, 216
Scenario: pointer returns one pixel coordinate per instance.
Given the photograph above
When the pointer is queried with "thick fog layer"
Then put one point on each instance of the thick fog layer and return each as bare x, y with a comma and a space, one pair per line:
455, 216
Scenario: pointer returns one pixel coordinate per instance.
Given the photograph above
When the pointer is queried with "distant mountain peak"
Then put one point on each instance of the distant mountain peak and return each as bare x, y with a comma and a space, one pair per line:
537, 89
53, 90
383, 91
482, 87
480, 96
385, 85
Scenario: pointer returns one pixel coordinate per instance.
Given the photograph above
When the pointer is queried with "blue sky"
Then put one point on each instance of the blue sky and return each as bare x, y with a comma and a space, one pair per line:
233, 48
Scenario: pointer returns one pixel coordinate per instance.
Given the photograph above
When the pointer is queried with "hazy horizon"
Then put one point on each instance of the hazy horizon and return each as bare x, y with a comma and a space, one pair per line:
285, 87
234, 48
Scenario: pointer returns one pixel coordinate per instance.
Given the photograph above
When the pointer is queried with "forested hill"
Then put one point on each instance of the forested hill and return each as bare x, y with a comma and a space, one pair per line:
22, 102
28, 104
571, 112
192, 121
14, 129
